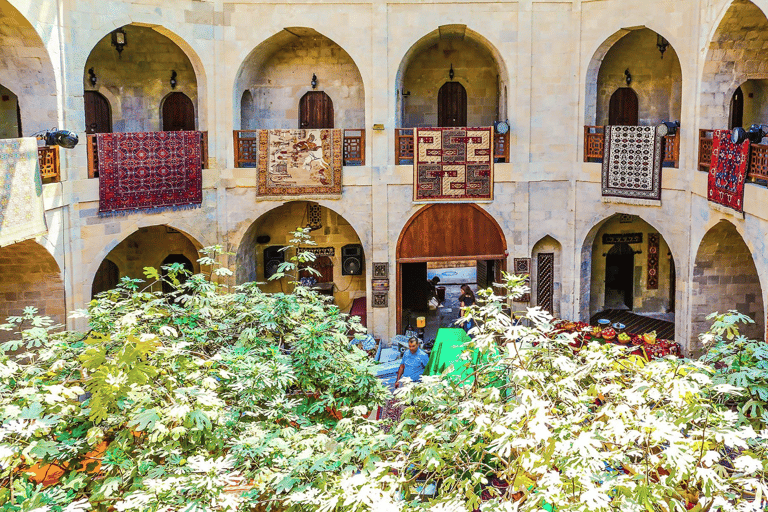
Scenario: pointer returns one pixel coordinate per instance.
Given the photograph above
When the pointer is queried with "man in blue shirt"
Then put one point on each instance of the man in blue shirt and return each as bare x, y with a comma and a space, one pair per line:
414, 362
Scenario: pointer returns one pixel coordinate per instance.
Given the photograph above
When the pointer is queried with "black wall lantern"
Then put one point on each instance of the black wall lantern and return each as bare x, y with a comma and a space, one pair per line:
627, 76
450, 72
314, 81
92, 77
661, 44
173, 79
119, 40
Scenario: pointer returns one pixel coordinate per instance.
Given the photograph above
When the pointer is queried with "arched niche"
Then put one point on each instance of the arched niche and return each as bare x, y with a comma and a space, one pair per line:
474, 63
147, 247
336, 241
279, 71
27, 70
140, 76
30, 276
10, 114
546, 275
736, 54
444, 233
725, 278
656, 78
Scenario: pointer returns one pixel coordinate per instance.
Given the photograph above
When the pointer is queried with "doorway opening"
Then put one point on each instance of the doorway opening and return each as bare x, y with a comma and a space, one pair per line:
619, 276
98, 113
178, 113
315, 111
623, 108
452, 105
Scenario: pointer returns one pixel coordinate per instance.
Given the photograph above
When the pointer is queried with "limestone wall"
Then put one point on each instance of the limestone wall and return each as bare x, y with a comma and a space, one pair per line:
755, 102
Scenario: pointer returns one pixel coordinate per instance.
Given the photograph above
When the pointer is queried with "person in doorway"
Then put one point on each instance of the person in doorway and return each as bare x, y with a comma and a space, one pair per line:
432, 287
414, 362
466, 300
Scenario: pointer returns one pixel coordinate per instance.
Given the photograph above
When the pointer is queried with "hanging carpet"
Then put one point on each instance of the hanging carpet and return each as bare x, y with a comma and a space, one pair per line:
632, 165
22, 215
453, 164
149, 171
300, 163
728, 170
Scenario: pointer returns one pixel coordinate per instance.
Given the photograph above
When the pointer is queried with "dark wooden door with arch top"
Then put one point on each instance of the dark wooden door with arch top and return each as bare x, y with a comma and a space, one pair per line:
315, 111
452, 105
178, 113
622, 110
98, 116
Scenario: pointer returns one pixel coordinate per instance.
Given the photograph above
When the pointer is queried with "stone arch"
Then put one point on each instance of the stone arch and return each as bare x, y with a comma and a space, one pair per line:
130, 77
592, 279
482, 67
333, 233
279, 71
725, 277
734, 56
657, 81
27, 70
546, 274
30, 276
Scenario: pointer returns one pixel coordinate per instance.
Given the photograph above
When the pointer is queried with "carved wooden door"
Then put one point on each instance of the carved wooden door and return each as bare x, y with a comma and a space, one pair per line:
452, 105
178, 113
98, 116
622, 110
315, 110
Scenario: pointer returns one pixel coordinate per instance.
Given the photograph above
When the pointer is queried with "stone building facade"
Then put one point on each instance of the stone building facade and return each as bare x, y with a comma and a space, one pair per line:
549, 68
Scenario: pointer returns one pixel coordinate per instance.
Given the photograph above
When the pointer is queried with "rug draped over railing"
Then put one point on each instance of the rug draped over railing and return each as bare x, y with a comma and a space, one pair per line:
149, 171
632, 165
727, 172
299, 163
21, 195
453, 164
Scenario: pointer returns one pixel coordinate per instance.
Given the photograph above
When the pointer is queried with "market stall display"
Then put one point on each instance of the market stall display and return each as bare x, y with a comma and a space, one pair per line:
646, 344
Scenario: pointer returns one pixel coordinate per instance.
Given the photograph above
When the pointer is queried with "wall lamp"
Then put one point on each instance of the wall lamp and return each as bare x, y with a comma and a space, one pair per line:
661, 44
627, 76
119, 40
314, 81
173, 79
450, 72
92, 77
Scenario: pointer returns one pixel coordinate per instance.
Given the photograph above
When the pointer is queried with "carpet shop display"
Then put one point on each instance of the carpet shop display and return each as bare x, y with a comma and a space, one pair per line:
453, 164
21, 195
149, 171
728, 170
632, 165
300, 163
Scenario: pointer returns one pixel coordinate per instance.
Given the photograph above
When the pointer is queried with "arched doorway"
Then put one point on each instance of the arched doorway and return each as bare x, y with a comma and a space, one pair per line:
98, 113
315, 111
736, 117
338, 243
452, 105
107, 278
725, 277
246, 111
623, 109
619, 277
180, 277
546, 274
178, 113
445, 237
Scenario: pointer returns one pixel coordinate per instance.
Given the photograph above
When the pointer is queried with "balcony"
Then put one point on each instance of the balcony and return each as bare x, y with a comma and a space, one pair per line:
404, 147
594, 146
48, 156
92, 150
757, 169
247, 147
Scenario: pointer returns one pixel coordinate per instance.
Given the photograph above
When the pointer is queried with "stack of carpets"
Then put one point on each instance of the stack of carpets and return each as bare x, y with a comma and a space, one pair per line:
22, 215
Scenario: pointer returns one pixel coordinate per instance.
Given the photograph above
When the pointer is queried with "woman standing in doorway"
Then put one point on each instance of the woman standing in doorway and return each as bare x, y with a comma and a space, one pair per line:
466, 300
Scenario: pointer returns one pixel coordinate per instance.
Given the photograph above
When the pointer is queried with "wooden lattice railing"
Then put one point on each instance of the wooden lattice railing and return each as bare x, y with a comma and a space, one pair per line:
92, 151
246, 143
594, 146
48, 156
404, 146
757, 168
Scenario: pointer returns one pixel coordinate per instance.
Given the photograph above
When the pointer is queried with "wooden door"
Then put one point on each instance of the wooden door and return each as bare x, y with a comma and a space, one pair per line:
178, 113
452, 105
315, 110
737, 109
622, 110
98, 115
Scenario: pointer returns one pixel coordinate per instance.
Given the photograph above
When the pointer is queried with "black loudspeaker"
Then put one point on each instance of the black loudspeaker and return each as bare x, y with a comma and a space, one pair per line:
273, 258
352, 261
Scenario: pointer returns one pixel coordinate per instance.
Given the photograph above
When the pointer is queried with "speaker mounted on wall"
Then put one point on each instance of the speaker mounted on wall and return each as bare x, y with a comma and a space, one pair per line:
352, 261
274, 256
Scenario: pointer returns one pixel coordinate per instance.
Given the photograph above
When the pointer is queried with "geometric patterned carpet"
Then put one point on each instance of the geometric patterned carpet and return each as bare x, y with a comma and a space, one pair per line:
637, 324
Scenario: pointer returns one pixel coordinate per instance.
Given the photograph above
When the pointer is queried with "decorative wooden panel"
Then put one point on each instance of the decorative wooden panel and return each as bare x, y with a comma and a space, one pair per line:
672, 149
652, 283
92, 153
246, 148
545, 281
594, 143
48, 156
458, 231
403, 146
758, 162
705, 150
501, 147
204, 149
354, 147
